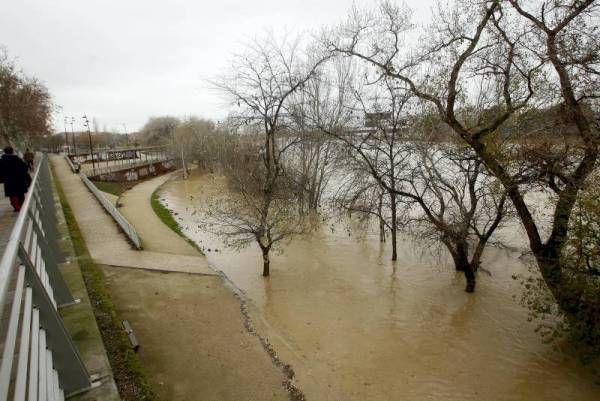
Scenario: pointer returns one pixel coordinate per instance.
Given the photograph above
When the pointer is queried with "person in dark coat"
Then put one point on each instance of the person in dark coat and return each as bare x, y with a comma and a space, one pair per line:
14, 175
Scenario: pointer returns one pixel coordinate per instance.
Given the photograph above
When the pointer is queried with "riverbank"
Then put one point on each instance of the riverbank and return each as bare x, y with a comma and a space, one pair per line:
192, 335
196, 342
122, 365
355, 326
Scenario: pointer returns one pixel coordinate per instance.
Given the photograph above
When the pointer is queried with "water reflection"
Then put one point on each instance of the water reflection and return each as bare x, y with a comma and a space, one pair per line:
356, 326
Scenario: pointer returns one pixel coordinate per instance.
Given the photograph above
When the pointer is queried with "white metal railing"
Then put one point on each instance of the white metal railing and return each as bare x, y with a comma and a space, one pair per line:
126, 226
124, 166
100, 163
38, 358
74, 167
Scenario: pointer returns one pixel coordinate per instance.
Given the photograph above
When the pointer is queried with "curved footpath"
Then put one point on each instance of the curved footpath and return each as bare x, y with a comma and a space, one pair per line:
107, 245
194, 345
156, 236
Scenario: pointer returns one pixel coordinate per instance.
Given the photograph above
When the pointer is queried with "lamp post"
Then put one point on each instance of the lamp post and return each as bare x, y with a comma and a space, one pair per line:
87, 125
73, 135
66, 135
126, 135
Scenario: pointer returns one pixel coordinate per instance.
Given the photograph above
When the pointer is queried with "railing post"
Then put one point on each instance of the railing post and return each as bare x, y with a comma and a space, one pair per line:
47, 209
30, 258
62, 294
73, 376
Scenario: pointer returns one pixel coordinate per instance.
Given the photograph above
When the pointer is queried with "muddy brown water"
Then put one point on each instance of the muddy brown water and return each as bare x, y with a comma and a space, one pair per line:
355, 326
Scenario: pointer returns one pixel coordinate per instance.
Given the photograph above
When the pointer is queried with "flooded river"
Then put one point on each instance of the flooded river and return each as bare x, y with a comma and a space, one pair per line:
355, 326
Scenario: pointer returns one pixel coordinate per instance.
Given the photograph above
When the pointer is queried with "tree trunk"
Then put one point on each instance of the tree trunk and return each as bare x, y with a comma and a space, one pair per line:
381, 222
578, 307
461, 263
266, 262
470, 277
394, 245
394, 227
478, 253
381, 230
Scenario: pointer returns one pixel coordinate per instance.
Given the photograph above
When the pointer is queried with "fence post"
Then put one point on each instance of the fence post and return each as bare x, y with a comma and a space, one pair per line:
61, 290
74, 375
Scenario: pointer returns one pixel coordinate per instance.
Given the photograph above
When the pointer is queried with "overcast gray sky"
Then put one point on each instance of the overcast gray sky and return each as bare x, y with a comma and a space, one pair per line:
124, 61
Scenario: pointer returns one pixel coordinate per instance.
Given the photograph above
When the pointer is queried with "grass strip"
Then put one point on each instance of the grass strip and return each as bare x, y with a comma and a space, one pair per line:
115, 188
129, 375
167, 218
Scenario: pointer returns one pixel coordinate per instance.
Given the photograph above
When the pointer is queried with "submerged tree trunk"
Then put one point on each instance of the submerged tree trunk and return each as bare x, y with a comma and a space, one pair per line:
460, 255
394, 226
470, 278
381, 221
266, 262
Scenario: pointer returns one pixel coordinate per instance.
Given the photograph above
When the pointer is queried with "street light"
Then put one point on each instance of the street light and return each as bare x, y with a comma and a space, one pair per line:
66, 135
73, 135
87, 125
126, 135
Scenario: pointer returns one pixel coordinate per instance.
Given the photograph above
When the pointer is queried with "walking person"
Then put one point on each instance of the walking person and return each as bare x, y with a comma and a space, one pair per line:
28, 156
14, 175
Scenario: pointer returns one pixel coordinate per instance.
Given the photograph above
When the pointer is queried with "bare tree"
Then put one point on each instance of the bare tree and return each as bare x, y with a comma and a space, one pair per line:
260, 84
245, 215
462, 205
359, 194
158, 130
25, 105
189, 140
441, 190
319, 107
495, 58
381, 146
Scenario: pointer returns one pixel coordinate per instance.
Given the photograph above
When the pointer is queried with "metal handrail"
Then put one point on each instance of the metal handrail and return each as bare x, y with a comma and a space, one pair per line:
74, 169
127, 166
125, 225
48, 366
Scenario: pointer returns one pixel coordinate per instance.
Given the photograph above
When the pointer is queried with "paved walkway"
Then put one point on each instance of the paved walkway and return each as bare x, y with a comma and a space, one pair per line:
106, 243
156, 236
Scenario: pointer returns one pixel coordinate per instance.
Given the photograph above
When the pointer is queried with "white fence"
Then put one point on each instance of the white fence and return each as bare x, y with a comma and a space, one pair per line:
39, 360
126, 226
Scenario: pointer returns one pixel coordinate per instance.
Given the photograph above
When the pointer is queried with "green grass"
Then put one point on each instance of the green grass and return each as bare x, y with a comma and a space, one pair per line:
164, 214
128, 372
167, 218
115, 188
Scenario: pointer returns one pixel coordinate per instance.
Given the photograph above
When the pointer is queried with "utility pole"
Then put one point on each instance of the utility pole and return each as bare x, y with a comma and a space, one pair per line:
87, 125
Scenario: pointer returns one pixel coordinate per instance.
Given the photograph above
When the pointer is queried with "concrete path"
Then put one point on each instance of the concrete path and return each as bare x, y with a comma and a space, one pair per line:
156, 236
106, 243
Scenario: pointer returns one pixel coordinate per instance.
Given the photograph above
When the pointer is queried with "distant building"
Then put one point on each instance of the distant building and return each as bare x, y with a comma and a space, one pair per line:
375, 119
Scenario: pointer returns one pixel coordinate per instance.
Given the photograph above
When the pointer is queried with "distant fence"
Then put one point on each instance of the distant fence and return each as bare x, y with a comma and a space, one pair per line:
110, 161
39, 359
136, 172
126, 226
110, 171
